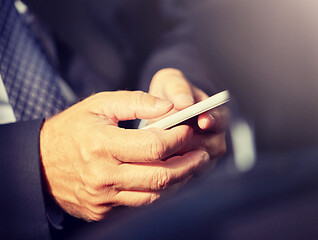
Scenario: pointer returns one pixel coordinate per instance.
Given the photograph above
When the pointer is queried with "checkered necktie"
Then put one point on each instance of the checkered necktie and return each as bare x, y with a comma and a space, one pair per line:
29, 79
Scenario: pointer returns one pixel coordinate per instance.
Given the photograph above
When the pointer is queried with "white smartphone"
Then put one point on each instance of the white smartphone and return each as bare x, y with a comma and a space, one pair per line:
192, 111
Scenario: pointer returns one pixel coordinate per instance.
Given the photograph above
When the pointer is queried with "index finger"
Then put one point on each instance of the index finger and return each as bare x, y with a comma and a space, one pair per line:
131, 145
216, 119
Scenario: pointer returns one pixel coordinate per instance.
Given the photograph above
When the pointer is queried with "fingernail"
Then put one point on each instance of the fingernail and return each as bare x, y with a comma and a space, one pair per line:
183, 99
204, 123
162, 104
207, 122
205, 157
212, 120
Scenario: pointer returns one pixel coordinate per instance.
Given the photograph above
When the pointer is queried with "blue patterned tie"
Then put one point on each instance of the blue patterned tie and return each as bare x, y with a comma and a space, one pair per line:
29, 79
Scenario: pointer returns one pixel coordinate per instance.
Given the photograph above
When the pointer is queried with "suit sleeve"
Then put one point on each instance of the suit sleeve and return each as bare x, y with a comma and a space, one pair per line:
174, 47
22, 205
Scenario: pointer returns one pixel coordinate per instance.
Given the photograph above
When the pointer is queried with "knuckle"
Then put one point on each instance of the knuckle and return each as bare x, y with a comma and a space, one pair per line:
94, 183
140, 97
95, 200
158, 148
97, 217
161, 179
163, 73
183, 140
94, 186
99, 210
191, 168
152, 197
78, 193
95, 179
155, 153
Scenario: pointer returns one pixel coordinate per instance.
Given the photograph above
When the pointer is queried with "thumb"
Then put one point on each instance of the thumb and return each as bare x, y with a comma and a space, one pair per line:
177, 88
128, 105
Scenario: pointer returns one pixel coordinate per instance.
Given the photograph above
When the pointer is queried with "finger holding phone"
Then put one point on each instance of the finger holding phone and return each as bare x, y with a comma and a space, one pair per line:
172, 85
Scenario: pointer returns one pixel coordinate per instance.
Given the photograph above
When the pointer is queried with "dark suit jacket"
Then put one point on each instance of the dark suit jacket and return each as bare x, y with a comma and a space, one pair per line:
22, 207
121, 44
109, 41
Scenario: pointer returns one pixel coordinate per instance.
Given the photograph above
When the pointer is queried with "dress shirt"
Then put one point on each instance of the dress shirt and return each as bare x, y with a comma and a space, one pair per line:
6, 111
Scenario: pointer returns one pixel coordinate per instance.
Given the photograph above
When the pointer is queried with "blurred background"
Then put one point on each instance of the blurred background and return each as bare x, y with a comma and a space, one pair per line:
267, 54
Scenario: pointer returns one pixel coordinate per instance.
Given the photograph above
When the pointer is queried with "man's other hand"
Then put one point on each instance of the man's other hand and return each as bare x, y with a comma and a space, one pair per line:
91, 165
172, 85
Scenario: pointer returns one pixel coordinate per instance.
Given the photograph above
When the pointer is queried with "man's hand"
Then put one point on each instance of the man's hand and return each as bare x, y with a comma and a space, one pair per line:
171, 84
91, 165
